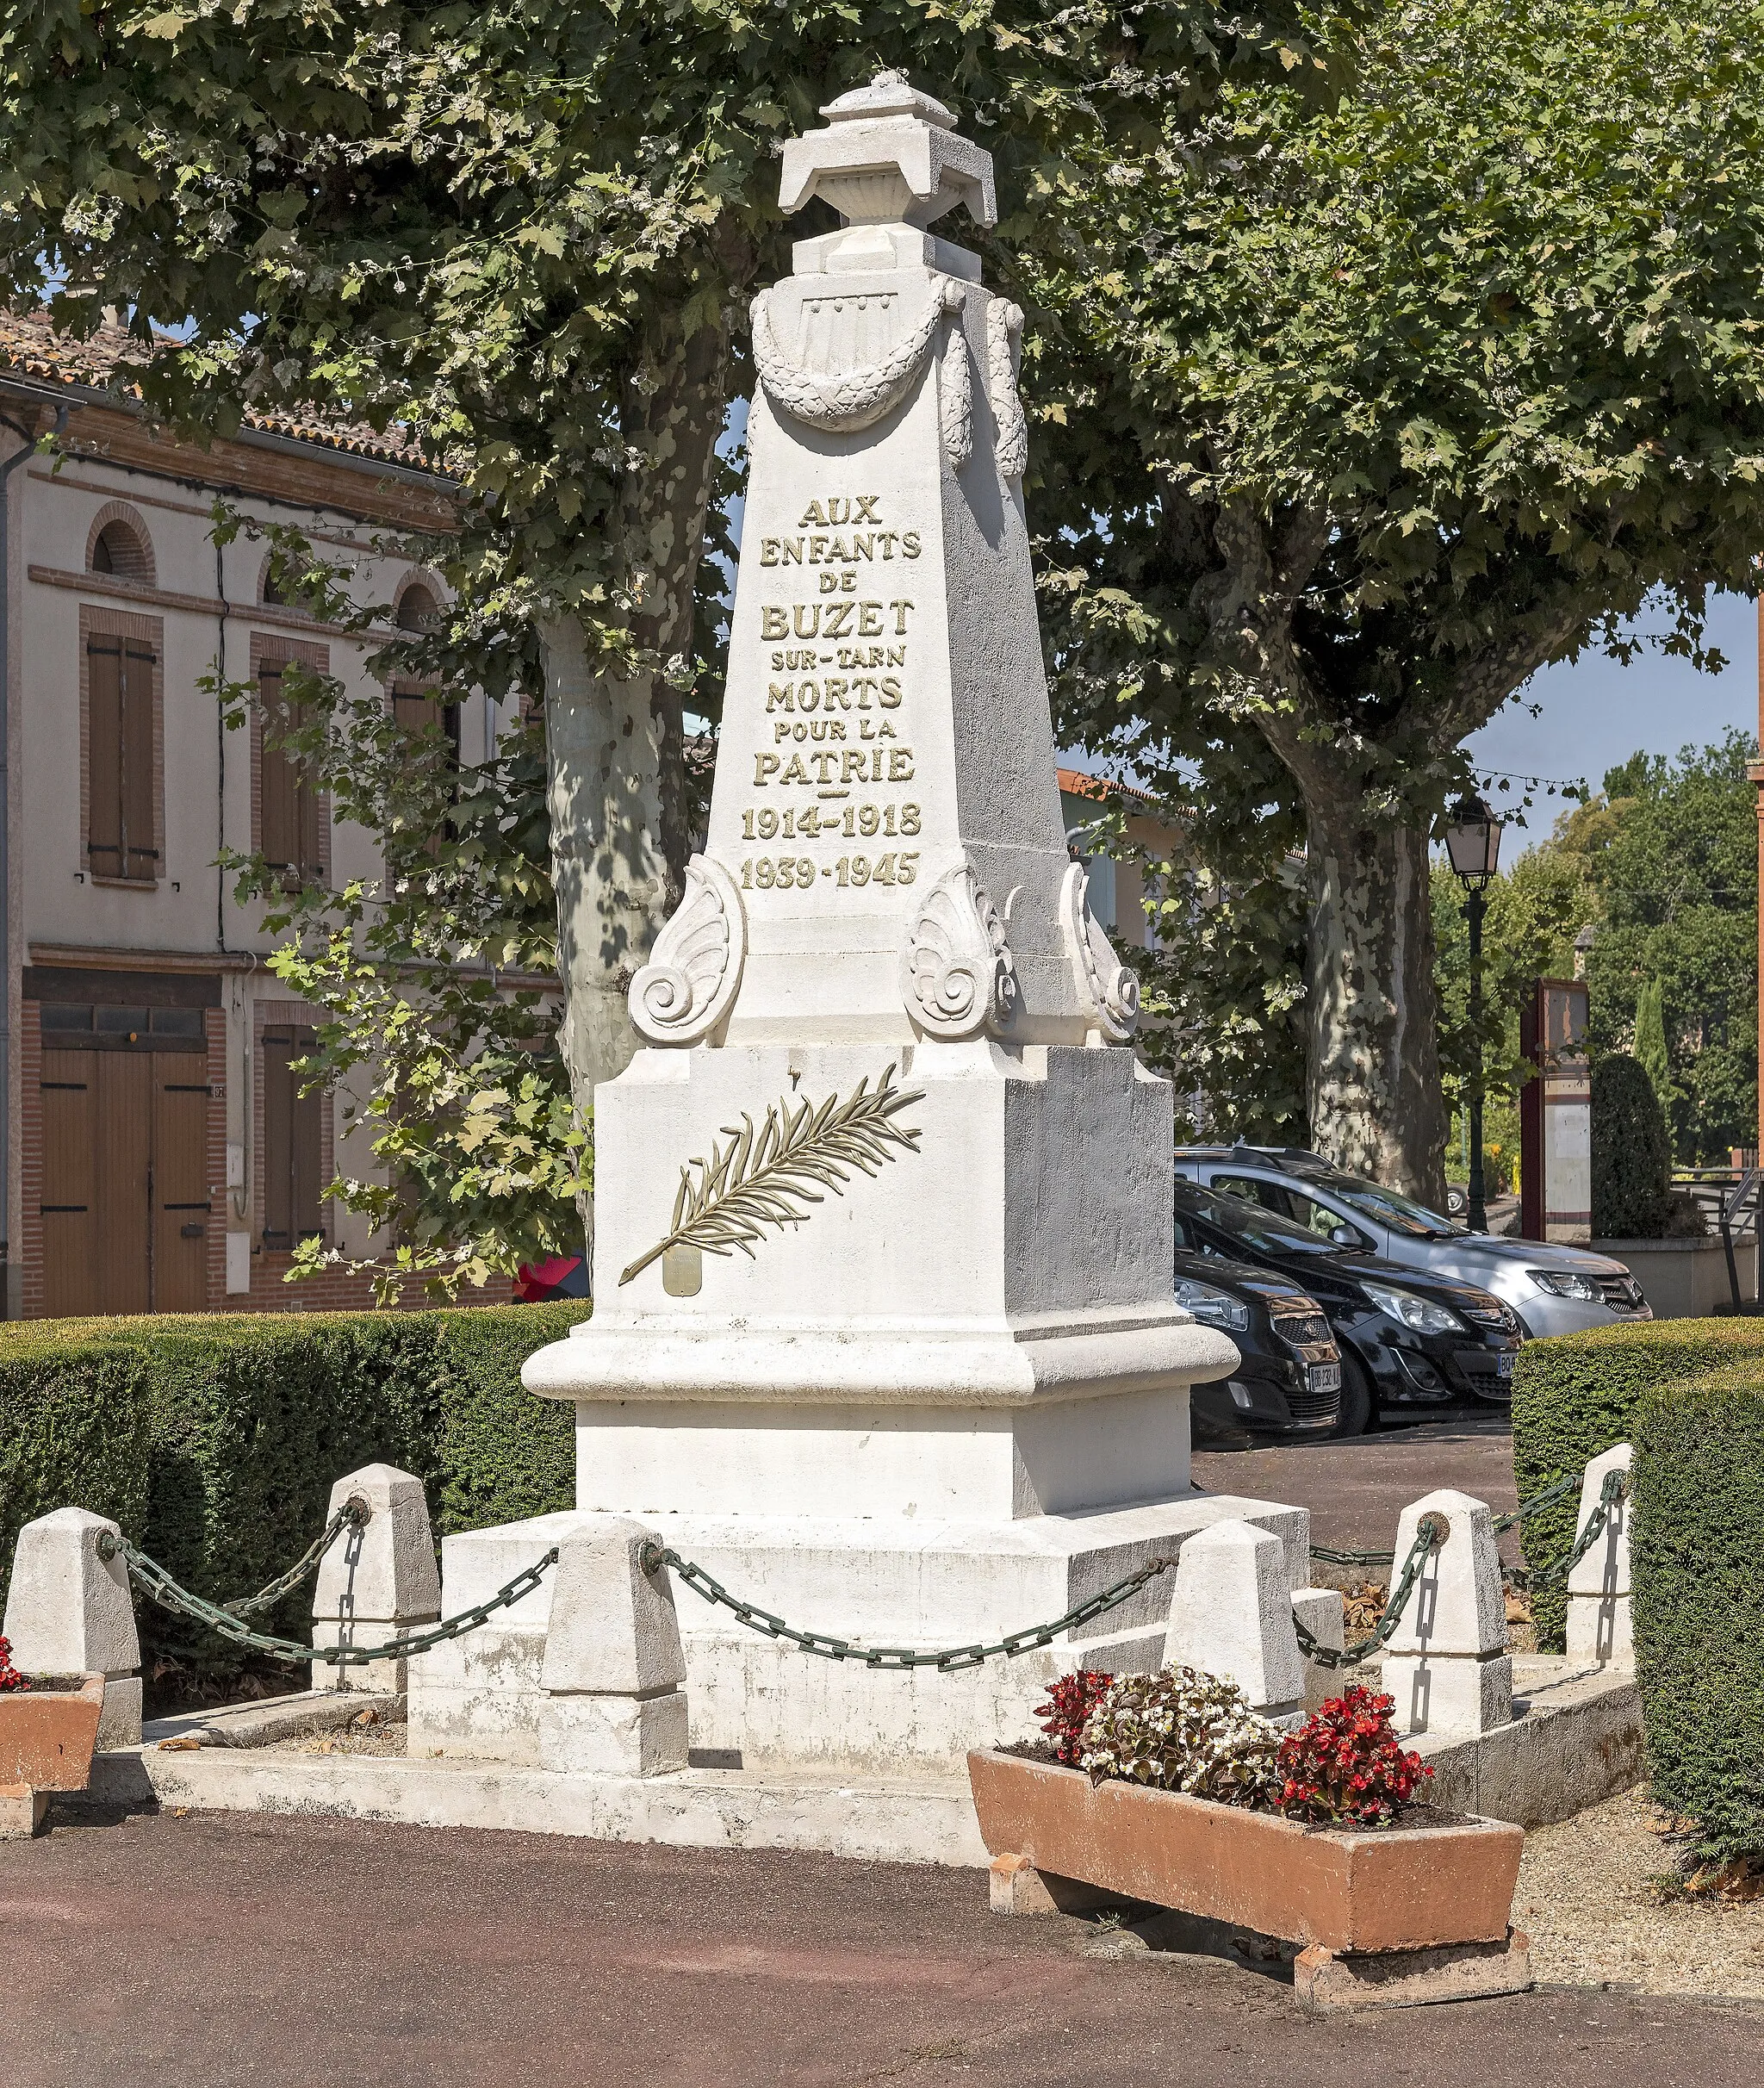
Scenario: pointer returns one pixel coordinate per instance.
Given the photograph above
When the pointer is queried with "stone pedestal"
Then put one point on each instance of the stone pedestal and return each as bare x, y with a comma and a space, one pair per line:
69, 1612
1448, 1667
884, 1333
377, 1582
1599, 1626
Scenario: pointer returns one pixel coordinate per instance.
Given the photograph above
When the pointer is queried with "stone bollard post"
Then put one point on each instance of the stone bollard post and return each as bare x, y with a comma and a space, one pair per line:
1448, 1666
68, 1611
1231, 1615
614, 1670
1322, 1613
1599, 1626
377, 1582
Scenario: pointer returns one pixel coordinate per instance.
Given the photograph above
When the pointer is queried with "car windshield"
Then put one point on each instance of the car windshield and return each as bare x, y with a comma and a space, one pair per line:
1249, 1222
1402, 1214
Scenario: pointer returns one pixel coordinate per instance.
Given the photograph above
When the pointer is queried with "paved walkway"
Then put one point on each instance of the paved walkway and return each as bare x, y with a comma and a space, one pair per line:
1356, 1489
245, 1952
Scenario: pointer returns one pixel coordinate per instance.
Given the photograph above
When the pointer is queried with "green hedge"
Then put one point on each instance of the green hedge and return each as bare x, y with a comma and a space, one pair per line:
1576, 1394
214, 1440
1698, 1561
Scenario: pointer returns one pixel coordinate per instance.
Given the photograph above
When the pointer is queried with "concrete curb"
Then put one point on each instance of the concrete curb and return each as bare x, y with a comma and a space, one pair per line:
892, 1821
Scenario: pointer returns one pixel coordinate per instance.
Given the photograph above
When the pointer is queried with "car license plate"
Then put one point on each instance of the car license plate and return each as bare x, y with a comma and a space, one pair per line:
1324, 1377
1503, 1364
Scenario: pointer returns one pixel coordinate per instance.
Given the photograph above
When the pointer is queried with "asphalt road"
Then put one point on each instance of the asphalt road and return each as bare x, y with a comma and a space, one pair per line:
217, 1951
1356, 1489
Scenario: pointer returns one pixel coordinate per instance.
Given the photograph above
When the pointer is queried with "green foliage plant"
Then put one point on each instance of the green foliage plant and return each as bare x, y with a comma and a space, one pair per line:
1631, 1154
1575, 1396
1698, 1563
1672, 848
1182, 1731
1381, 406
528, 234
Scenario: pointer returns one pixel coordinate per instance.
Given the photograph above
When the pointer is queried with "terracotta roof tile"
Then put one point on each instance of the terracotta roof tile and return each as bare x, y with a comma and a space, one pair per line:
33, 346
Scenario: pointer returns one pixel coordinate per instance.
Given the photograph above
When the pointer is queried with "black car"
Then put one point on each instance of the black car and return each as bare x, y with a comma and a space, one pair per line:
1410, 1339
1287, 1382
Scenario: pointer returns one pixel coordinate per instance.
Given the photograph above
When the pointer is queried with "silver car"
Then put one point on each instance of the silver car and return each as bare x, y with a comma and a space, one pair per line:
1553, 1288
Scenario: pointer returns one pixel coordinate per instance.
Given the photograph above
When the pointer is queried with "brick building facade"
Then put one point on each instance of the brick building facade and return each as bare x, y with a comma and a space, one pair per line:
157, 1154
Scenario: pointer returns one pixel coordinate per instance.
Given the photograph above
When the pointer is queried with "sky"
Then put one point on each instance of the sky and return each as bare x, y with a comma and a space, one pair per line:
1594, 713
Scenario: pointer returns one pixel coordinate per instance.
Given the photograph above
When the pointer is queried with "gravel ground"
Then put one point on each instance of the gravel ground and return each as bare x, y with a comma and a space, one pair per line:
1586, 1899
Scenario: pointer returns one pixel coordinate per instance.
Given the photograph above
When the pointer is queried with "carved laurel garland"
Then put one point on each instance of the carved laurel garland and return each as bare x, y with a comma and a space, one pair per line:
1004, 326
955, 385
1103, 980
957, 976
694, 970
848, 400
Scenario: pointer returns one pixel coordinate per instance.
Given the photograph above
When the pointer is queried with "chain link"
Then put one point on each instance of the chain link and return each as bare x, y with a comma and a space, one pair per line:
354, 1514
159, 1585
1525, 1511
894, 1659
1615, 1486
1427, 1534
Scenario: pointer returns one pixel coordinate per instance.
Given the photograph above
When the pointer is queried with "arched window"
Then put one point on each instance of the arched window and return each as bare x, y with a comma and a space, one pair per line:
418, 609
119, 549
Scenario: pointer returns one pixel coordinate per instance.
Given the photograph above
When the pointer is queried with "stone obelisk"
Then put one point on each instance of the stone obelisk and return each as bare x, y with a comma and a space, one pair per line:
884, 1329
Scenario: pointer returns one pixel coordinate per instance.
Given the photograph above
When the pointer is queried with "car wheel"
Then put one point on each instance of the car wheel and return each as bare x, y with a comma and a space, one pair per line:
1356, 1403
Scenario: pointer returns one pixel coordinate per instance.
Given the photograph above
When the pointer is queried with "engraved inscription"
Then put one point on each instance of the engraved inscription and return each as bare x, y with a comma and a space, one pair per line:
836, 674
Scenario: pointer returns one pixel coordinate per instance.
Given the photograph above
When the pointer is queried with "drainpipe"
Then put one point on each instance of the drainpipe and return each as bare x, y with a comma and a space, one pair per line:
11, 1280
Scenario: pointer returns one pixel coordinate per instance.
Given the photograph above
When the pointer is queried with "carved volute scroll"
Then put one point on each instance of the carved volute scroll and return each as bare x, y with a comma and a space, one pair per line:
694, 970
1103, 980
956, 973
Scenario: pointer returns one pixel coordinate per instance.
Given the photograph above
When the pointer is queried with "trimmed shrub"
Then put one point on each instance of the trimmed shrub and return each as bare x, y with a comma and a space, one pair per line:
74, 1431
214, 1440
1576, 1394
1631, 1154
1697, 1559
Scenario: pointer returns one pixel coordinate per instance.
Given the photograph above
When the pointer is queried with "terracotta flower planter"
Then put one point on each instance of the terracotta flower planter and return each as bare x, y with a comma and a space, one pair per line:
47, 1736
1346, 1889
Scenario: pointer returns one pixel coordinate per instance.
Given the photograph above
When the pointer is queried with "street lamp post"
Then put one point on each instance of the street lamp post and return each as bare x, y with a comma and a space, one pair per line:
1473, 844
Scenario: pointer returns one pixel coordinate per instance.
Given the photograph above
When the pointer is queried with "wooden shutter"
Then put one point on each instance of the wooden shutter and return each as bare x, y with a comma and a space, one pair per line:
104, 754
279, 834
293, 1157
140, 854
120, 837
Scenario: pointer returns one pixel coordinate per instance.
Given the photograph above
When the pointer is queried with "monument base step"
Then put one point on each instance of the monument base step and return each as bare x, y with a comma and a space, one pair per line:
882, 1819
888, 1581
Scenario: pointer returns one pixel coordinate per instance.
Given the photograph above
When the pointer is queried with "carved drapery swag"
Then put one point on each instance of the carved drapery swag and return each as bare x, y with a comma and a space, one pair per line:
843, 402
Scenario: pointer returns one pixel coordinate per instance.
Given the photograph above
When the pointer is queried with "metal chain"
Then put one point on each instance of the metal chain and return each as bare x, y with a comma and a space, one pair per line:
1427, 1534
1525, 1511
153, 1579
1615, 1486
354, 1514
893, 1659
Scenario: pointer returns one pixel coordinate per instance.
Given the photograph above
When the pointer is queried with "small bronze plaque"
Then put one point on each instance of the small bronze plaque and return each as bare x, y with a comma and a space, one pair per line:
683, 1270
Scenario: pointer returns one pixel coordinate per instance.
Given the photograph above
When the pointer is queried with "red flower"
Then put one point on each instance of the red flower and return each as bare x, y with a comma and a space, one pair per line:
1067, 1707
10, 1676
1345, 1763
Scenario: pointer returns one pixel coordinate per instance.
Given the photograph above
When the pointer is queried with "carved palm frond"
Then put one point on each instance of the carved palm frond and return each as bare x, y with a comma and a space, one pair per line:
769, 1177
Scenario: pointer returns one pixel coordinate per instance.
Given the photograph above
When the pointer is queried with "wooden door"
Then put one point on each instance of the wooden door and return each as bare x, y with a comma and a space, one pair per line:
125, 1208
70, 1183
180, 1267
125, 1161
